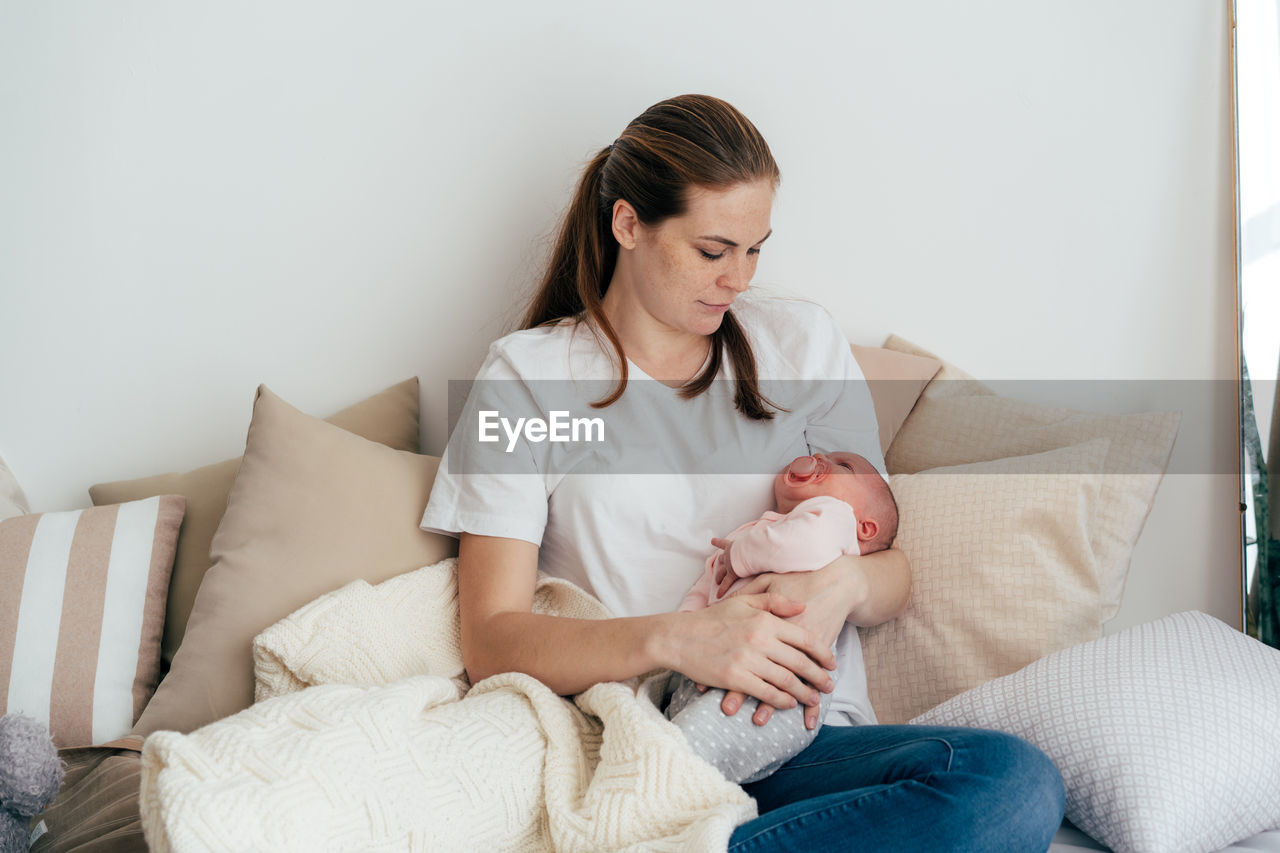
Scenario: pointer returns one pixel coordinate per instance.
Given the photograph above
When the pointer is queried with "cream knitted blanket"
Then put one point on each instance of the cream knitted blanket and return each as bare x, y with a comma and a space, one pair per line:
387, 749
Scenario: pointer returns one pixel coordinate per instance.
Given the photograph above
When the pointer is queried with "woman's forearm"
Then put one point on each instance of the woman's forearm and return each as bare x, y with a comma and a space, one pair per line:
497, 579
878, 585
743, 644
567, 655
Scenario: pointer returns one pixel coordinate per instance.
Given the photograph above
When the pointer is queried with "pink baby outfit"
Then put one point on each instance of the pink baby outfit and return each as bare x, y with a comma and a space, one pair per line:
818, 531
809, 537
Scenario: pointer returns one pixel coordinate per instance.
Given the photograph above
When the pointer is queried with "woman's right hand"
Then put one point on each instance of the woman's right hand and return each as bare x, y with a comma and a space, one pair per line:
745, 644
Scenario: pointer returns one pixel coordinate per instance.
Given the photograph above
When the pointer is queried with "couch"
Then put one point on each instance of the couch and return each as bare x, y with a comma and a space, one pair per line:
1019, 520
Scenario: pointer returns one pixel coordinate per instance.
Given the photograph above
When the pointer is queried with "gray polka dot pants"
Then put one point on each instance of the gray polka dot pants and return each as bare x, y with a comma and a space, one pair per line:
736, 746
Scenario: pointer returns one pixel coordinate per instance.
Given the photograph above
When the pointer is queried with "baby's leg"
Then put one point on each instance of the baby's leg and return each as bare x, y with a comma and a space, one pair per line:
736, 746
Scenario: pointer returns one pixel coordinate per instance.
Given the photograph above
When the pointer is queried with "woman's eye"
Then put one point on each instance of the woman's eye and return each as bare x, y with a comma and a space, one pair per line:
753, 251
710, 256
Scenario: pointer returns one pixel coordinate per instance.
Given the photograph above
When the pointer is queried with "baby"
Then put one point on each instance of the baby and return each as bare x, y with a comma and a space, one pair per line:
828, 505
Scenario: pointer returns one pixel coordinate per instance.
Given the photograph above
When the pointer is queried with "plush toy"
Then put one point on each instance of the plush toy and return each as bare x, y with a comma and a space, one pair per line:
30, 776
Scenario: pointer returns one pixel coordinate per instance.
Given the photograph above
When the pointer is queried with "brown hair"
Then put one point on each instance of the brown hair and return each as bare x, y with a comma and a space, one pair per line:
683, 142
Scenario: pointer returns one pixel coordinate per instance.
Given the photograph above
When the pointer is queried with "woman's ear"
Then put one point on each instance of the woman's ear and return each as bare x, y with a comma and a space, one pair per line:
626, 225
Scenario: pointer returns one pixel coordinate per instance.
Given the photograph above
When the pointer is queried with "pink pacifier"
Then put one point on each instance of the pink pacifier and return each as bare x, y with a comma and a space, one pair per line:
802, 468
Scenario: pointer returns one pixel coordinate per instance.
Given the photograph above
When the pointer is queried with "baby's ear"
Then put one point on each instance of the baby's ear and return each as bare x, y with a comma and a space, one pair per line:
867, 529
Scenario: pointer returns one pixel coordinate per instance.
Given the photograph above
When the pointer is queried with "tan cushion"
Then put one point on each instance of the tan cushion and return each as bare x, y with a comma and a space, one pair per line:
81, 615
389, 417
1002, 574
895, 380
959, 420
313, 507
97, 807
949, 381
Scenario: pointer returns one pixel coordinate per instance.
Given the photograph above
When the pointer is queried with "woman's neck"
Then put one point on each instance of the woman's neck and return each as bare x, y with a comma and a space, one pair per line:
671, 368
671, 356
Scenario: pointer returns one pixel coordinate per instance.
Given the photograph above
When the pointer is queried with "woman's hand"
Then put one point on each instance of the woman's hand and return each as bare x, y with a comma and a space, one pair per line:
865, 590
824, 616
746, 644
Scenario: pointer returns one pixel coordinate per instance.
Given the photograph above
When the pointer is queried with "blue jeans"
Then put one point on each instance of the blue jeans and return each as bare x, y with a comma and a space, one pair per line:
907, 788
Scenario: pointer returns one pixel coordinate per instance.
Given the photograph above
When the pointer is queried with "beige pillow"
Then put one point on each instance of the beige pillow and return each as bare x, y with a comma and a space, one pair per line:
895, 380
313, 507
1002, 574
389, 417
951, 381
81, 615
962, 421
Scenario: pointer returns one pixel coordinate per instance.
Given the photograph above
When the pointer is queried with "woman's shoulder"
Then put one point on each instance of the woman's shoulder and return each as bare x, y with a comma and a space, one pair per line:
778, 310
789, 335
538, 339
552, 351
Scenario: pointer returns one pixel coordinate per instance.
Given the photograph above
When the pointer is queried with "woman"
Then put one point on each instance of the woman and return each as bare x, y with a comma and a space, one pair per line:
659, 243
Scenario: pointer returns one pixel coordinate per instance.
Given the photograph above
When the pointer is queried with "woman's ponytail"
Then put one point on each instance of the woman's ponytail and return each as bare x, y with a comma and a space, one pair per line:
582, 261
582, 257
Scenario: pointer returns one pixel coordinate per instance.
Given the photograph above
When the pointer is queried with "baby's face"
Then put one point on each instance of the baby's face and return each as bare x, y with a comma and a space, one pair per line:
838, 475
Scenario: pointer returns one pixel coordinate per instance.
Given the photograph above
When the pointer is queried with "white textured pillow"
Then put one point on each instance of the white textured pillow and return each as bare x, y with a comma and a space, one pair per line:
1167, 734
12, 501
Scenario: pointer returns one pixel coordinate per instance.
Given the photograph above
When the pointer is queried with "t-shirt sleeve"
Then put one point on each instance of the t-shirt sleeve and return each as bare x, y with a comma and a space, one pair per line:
844, 416
496, 487
813, 534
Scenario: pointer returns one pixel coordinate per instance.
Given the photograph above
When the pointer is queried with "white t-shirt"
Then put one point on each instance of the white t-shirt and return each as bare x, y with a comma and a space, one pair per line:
627, 511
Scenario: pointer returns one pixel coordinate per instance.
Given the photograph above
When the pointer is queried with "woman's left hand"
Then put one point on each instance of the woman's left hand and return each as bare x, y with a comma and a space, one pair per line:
866, 590
828, 598
825, 612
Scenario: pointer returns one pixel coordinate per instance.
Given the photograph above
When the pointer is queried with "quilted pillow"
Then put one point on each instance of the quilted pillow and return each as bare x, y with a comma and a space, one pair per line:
1167, 734
959, 420
1002, 573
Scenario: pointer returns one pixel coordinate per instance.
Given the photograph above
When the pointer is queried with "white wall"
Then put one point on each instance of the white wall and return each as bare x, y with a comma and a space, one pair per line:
329, 197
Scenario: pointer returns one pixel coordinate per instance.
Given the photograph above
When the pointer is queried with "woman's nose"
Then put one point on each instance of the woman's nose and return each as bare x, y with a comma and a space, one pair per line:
738, 277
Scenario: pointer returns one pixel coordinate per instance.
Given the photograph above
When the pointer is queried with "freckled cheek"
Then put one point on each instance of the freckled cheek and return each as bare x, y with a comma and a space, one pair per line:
675, 263
680, 275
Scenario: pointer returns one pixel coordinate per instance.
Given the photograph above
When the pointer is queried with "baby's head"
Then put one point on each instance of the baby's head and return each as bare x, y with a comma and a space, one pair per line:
847, 477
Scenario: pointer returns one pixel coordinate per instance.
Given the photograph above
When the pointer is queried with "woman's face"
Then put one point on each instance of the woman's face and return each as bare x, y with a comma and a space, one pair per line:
686, 272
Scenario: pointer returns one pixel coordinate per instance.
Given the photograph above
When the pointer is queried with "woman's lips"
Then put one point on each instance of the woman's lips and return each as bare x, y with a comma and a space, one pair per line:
714, 307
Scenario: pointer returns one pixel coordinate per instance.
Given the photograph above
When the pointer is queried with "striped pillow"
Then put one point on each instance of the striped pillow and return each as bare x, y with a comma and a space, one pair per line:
82, 614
